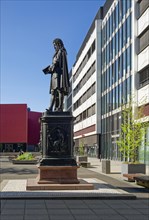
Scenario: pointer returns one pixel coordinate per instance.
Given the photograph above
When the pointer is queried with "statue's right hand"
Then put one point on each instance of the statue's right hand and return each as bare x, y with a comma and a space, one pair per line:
46, 70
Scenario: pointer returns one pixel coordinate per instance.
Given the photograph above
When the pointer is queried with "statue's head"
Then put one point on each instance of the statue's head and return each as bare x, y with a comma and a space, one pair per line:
58, 43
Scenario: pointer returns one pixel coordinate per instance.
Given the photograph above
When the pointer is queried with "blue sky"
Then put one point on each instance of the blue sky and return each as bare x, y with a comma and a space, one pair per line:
28, 28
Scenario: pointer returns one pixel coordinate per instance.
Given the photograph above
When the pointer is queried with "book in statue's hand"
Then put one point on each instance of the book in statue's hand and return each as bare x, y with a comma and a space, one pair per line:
46, 70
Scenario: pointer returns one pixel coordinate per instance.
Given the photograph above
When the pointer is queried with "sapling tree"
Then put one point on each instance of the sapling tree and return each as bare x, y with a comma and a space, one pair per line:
132, 133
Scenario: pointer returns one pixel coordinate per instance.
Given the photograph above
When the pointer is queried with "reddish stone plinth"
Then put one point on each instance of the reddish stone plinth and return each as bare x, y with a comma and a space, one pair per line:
58, 178
57, 174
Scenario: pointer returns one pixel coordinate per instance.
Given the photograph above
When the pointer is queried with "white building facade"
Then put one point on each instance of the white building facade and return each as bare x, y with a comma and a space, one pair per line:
111, 65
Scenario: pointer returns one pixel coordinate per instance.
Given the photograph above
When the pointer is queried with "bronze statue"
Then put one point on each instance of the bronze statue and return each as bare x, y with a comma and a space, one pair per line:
59, 86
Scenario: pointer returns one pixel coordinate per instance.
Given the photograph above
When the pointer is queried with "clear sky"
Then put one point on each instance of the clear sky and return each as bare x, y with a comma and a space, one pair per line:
28, 28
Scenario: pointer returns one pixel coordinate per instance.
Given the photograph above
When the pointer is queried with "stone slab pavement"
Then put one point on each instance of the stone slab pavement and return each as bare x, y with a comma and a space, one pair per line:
104, 206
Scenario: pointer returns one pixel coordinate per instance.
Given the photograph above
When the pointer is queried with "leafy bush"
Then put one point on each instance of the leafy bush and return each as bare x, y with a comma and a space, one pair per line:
26, 156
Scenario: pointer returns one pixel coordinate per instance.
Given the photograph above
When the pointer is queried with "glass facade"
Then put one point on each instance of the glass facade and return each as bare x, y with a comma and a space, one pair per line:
116, 74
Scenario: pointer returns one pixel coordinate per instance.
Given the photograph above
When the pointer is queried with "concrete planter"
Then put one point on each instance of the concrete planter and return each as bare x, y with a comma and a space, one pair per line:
24, 161
133, 168
81, 159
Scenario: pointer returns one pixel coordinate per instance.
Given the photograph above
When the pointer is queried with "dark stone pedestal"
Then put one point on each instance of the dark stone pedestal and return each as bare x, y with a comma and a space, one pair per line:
57, 168
57, 139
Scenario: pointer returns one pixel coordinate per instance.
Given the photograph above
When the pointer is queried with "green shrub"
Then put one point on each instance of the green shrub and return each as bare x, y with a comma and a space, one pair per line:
25, 156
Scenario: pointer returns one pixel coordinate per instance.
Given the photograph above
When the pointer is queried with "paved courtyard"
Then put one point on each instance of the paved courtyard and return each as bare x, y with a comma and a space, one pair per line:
112, 198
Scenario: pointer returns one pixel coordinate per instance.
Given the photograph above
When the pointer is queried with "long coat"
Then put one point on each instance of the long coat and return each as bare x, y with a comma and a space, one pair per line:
59, 73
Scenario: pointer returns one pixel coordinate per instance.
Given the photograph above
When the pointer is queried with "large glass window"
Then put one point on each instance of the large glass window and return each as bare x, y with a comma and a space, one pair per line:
107, 73
124, 7
116, 70
124, 63
117, 40
116, 20
128, 81
120, 39
113, 46
124, 100
116, 99
110, 28
113, 74
113, 101
120, 94
124, 34
128, 28
110, 75
128, 57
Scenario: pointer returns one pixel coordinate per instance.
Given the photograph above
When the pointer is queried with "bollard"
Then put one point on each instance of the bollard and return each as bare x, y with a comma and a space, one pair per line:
106, 166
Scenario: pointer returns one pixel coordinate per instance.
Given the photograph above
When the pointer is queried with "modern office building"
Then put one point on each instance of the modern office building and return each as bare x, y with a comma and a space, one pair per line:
19, 128
111, 66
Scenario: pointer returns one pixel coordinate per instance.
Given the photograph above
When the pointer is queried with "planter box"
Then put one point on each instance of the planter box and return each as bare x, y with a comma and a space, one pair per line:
81, 159
133, 168
24, 161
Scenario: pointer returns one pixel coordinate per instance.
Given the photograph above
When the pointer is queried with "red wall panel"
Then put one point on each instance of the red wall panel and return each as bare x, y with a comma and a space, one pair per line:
13, 123
33, 127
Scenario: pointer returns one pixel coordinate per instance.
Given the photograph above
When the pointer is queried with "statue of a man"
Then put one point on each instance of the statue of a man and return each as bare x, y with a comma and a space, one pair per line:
59, 86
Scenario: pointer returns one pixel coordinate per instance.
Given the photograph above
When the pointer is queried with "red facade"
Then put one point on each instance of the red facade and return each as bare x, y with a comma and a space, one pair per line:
18, 125
13, 123
33, 127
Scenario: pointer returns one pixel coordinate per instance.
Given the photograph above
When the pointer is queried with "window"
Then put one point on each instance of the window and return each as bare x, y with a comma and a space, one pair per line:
93, 46
128, 57
144, 4
116, 70
144, 41
120, 95
120, 39
144, 77
116, 43
116, 95
128, 28
128, 82
93, 109
124, 34
116, 19
124, 63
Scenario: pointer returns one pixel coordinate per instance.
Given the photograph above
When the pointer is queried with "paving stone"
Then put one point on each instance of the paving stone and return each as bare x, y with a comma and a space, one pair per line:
136, 217
119, 206
36, 212
35, 206
35, 201
104, 211
36, 217
61, 217
56, 206
111, 217
143, 211
59, 212
14, 206
82, 212
98, 206
77, 206
86, 217
128, 211
14, 212
11, 217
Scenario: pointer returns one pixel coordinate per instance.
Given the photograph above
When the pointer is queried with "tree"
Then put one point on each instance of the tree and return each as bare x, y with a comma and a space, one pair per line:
132, 133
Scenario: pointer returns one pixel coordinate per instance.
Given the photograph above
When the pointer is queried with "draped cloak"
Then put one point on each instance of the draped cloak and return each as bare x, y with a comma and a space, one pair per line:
59, 75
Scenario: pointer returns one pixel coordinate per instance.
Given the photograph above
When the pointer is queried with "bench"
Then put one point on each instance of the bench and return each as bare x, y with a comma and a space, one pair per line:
142, 180
131, 176
12, 157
